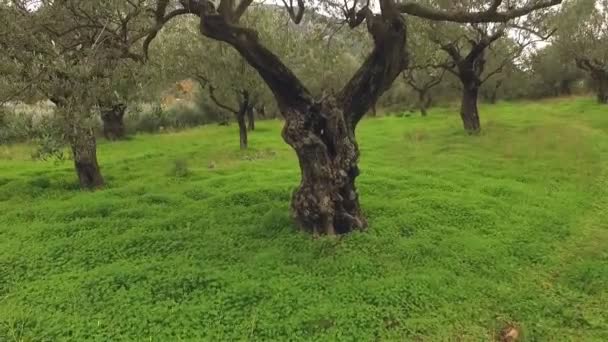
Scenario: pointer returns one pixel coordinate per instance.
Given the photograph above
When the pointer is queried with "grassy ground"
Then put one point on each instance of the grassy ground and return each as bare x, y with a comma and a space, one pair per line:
468, 235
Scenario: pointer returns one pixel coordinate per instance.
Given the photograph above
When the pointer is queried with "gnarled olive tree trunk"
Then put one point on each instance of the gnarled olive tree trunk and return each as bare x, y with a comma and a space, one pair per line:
113, 121
326, 202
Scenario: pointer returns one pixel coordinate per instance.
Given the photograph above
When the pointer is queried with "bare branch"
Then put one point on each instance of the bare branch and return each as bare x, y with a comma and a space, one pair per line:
217, 102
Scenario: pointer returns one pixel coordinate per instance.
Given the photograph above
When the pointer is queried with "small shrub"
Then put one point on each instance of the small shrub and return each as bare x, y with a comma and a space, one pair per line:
180, 168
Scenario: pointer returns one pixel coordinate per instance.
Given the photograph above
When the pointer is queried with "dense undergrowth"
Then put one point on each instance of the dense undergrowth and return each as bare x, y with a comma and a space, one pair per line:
192, 239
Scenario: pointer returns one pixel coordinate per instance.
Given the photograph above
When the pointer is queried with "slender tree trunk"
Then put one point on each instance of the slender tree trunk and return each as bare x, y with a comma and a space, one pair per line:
241, 115
240, 118
82, 143
326, 201
262, 111
469, 111
494, 96
113, 123
602, 88
250, 118
374, 112
84, 152
422, 103
565, 88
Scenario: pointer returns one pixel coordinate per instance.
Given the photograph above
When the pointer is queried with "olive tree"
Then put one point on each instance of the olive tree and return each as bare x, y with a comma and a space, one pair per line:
584, 32
553, 69
321, 130
66, 51
470, 48
427, 66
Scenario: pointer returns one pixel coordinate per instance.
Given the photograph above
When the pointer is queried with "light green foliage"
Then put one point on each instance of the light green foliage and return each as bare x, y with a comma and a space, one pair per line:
583, 29
77, 54
316, 50
467, 234
554, 71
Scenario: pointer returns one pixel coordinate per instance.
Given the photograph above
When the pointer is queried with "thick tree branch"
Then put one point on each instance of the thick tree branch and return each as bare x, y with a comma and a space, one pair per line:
480, 46
490, 15
240, 9
384, 64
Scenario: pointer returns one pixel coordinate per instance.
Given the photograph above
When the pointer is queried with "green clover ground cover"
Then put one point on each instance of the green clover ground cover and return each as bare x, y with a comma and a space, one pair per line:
192, 239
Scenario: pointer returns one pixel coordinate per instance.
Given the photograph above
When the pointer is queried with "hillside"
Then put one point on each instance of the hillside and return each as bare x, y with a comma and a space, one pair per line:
192, 239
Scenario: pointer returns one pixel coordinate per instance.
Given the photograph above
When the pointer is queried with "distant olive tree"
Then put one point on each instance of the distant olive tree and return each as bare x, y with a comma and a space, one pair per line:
471, 47
584, 34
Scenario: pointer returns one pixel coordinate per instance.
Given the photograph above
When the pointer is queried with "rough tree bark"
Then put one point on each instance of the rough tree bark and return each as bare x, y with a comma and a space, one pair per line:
113, 121
84, 152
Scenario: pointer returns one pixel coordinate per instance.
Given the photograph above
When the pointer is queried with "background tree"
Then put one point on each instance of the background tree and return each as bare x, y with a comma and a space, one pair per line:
554, 70
422, 80
427, 66
65, 51
321, 130
469, 48
583, 31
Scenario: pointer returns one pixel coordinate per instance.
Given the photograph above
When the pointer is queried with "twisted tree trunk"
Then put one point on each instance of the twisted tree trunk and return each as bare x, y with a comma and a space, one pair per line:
113, 123
468, 110
326, 202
